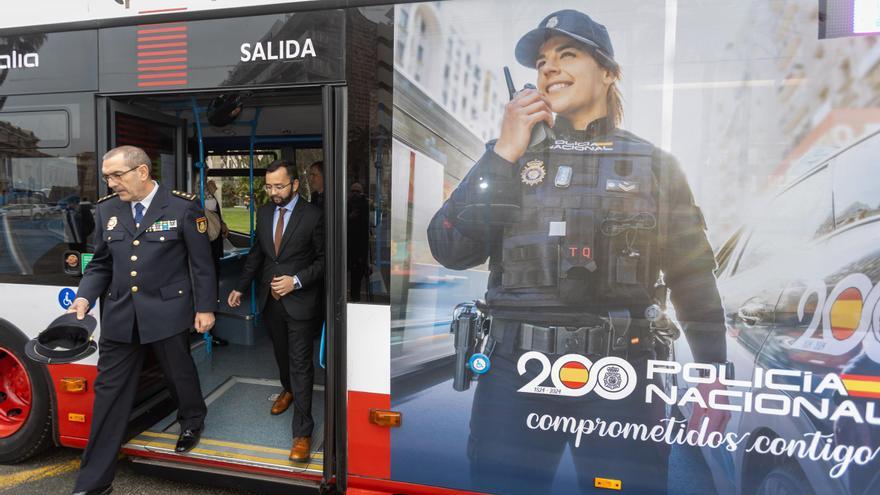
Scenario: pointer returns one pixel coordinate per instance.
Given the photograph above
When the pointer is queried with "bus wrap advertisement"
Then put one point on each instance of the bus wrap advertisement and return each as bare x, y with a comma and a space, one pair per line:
634, 248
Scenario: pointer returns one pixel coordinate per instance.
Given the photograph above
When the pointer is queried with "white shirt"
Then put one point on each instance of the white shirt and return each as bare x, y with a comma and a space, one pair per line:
146, 201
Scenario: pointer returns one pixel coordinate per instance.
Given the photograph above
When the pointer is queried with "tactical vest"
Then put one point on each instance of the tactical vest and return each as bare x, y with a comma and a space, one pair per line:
585, 237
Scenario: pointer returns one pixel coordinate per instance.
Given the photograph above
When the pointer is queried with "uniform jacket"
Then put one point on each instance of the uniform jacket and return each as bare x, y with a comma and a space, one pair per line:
687, 263
158, 275
301, 254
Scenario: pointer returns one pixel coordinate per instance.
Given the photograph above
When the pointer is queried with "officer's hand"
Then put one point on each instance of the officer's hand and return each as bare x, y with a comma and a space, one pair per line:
521, 113
717, 418
80, 306
283, 284
234, 299
203, 322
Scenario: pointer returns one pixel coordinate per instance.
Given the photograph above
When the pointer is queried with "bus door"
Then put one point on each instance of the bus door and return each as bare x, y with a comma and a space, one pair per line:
240, 379
162, 136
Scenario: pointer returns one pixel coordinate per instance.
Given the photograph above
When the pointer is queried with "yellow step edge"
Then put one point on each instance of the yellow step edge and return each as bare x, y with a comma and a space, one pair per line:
231, 455
222, 443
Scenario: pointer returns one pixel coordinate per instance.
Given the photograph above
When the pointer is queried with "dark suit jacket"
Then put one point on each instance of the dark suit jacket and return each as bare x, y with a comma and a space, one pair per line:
170, 267
301, 254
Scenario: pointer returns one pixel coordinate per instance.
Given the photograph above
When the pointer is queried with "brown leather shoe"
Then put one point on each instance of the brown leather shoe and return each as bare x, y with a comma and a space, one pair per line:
282, 402
301, 450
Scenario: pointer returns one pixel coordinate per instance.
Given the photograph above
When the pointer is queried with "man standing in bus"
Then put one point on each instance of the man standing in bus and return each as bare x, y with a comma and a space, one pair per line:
287, 260
153, 266
577, 224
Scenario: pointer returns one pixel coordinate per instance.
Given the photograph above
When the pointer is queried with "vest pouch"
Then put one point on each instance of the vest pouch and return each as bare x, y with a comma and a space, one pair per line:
529, 261
577, 262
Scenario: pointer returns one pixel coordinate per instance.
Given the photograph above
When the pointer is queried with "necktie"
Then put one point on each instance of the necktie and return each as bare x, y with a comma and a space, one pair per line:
138, 214
279, 233
279, 230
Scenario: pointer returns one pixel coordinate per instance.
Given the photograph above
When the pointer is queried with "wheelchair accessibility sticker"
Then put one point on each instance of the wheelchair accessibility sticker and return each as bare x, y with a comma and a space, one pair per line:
66, 297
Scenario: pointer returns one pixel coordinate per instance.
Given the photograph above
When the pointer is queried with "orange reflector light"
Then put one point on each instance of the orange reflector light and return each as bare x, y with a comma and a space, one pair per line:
390, 419
608, 483
74, 385
76, 418
634, 340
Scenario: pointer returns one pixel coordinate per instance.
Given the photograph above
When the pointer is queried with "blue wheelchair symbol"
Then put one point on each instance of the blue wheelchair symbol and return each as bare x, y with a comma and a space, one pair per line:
66, 297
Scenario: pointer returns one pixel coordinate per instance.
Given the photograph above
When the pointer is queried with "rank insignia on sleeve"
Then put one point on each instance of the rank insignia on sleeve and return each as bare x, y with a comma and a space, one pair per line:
533, 173
111, 223
202, 225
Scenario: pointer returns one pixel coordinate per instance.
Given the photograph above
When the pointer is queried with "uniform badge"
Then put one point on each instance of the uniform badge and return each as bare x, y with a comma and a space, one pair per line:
623, 186
563, 176
552, 22
202, 225
111, 223
533, 173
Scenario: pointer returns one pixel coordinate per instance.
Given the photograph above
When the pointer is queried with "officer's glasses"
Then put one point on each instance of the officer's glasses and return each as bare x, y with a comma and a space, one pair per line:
271, 187
117, 176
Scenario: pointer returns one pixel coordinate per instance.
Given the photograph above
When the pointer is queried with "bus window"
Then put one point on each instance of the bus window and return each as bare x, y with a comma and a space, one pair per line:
48, 185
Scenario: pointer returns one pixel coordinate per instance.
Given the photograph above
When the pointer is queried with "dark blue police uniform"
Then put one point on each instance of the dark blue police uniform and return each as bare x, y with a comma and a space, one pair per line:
153, 277
576, 235
580, 228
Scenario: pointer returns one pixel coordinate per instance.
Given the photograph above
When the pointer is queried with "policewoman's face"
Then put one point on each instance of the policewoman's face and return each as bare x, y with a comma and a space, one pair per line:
570, 78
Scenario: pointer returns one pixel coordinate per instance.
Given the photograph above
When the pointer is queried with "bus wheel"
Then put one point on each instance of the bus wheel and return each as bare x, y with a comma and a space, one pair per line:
785, 480
25, 420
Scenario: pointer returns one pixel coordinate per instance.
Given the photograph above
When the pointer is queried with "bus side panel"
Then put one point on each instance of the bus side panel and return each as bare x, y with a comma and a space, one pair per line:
74, 410
369, 387
369, 446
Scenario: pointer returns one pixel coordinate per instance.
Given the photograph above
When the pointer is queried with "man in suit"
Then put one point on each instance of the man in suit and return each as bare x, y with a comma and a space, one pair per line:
153, 267
287, 260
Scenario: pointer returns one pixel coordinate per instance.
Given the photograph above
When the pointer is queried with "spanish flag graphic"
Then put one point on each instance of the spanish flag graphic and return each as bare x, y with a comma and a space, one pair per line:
862, 385
845, 313
574, 375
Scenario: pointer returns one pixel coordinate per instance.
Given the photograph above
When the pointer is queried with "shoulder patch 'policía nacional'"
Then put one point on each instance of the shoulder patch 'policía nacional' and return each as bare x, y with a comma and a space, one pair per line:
533, 173
202, 225
105, 198
184, 195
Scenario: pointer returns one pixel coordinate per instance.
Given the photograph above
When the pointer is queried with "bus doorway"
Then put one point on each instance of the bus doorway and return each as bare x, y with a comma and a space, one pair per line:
217, 145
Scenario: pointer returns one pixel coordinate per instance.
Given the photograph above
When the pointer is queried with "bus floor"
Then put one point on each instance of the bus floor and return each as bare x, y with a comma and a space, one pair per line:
241, 383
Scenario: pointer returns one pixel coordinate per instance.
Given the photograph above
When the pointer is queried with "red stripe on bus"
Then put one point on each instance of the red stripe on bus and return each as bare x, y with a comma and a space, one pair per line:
161, 68
141, 39
162, 30
67, 403
161, 60
161, 53
369, 445
362, 486
162, 83
172, 44
161, 75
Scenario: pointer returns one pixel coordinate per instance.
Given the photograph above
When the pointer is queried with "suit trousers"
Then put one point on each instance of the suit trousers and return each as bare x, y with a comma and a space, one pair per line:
119, 367
292, 343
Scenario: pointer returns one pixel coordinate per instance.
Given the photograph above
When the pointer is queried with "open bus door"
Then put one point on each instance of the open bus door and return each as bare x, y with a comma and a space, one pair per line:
241, 440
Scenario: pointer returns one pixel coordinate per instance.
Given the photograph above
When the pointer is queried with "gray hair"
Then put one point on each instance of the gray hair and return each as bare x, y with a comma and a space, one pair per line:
132, 156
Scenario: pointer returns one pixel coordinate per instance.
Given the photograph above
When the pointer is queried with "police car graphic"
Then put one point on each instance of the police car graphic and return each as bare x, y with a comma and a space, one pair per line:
801, 292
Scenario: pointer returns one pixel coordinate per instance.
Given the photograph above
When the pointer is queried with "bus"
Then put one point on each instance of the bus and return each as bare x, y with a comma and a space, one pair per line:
398, 101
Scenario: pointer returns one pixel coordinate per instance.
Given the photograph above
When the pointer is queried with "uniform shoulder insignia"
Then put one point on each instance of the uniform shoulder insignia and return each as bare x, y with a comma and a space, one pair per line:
184, 195
105, 198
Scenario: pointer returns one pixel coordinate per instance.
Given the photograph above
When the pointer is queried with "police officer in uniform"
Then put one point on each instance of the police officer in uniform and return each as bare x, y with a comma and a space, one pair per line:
577, 228
153, 268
